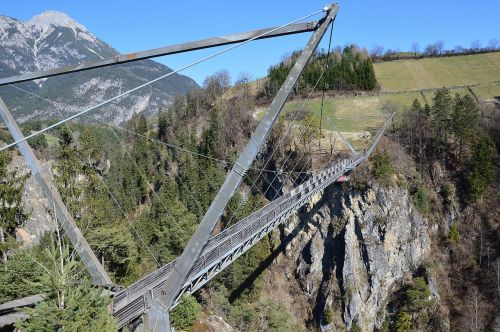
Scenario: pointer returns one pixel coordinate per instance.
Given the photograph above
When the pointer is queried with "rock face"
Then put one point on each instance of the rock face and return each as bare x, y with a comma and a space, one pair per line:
212, 323
34, 205
351, 251
53, 39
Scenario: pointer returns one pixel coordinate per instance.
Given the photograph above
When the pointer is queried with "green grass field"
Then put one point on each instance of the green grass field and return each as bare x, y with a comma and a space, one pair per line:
51, 140
438, 72
354, 113
364, 113
487, 92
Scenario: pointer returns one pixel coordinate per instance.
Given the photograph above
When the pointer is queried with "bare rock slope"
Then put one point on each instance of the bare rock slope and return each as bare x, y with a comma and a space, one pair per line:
351, 250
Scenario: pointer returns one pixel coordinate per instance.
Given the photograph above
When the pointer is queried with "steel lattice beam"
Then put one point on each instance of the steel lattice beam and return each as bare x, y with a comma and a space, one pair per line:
166, 50
195, 245
96, 270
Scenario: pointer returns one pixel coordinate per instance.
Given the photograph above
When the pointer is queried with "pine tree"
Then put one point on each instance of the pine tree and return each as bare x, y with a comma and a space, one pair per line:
168, 226
67, 307
21, 267
465, 120
481, 169
210, 141
441, 113
11, 212
142, 126
117, 247
67, 171
403, 322
89, 148
186, 313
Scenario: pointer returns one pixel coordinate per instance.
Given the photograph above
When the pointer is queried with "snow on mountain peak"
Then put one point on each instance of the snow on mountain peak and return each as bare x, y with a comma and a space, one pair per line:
6, 21
55, 18
51, 19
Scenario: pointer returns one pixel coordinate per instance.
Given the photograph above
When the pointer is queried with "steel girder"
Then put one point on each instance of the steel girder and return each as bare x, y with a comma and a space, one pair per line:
185, 262
166, 50
61, 213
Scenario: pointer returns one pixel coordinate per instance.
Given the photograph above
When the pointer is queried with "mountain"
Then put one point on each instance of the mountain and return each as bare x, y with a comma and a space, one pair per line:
53, 39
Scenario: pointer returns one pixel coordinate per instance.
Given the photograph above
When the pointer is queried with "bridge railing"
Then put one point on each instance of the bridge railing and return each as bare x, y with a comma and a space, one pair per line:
226, 246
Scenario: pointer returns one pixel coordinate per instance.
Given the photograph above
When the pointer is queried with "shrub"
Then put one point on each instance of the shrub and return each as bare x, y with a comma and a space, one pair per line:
481, 170
454, 234
417, 295
382, 166
385, 326
403, 322
186, 313
421, 199
355, 327
328, 314
448, 192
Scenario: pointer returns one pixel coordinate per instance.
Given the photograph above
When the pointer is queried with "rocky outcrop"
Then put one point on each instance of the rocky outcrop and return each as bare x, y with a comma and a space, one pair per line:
39, 220
352, 249
212, 323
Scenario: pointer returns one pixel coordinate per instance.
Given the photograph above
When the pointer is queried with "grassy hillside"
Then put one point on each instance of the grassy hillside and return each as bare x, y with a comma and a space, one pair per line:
358, 114
438, 72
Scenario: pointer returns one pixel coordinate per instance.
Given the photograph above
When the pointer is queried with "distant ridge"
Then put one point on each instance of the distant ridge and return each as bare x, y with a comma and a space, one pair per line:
53, 39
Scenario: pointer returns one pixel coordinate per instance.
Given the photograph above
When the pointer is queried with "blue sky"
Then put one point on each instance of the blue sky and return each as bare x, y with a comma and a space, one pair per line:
137, 25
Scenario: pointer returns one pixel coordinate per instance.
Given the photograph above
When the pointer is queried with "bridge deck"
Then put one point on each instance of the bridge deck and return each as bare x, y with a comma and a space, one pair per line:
225, 247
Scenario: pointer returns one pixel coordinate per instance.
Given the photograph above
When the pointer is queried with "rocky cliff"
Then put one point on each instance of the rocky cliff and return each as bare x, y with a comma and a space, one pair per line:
39, 220
349, 251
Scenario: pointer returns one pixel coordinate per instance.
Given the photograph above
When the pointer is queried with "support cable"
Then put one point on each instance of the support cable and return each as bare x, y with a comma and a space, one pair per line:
129, 131
153, 81
141, 172
59, 107
275, 148
325, 80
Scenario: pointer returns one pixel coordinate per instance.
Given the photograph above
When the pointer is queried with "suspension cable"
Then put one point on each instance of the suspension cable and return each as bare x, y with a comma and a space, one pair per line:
59, 106
276, 147
325, 80
154, 80
129, 131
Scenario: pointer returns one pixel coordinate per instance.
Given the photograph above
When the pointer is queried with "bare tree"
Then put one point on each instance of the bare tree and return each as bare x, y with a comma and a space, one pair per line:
439, 47
493, 44
243, 78
389, 52
497, 270
474, 313
415, 48
459, 49
430, 50
475, 45
377, 51
2, 242
217, 83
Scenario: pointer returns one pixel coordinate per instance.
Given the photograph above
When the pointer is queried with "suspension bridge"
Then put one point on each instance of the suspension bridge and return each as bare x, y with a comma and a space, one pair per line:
145, 304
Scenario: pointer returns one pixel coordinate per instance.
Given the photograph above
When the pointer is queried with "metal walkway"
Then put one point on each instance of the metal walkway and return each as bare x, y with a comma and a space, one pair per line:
225, 247
222, 249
